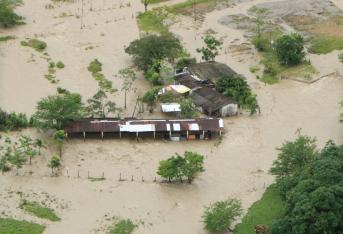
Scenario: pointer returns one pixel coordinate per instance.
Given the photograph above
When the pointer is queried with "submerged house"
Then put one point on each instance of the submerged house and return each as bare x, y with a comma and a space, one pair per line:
201, 78
211, 102
173, 129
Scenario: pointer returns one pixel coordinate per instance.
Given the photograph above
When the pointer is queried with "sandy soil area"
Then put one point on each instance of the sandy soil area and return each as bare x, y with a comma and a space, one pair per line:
235, 167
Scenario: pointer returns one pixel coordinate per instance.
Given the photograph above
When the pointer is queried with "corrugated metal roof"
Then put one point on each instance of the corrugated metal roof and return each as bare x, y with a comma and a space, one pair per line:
170, 107
145, 125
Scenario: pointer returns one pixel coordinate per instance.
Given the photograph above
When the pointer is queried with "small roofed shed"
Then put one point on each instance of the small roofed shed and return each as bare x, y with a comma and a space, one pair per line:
199, 128
213, 103
212, 71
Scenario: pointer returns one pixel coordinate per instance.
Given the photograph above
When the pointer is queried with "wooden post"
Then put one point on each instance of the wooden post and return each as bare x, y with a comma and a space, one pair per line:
78, 174
142, 179
120, 177
154, 135
203, 134
220, 133
187, 134
102, 135
131, 178
84, 136
120, 134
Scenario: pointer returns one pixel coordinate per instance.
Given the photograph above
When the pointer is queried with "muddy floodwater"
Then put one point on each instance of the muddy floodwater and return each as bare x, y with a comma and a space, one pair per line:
235, 166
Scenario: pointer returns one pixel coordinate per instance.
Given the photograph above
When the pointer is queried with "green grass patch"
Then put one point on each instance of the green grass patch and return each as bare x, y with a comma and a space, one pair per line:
12, 226
152, 21
157, 1
36, 44
39, 211
7, 38
263, 212
325, 44
124, 226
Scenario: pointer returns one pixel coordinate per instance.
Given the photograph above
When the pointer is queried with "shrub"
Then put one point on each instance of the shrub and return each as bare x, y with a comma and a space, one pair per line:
188, 109
125, 226
60, 65
12, 121
95, 66
8, 18
153, 77
7, 38
219, 216
36, 44
261, 43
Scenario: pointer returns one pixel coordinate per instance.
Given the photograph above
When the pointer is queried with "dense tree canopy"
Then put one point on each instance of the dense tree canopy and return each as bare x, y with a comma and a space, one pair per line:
238, 89
290, 49
56, 111
151, 50
311, 183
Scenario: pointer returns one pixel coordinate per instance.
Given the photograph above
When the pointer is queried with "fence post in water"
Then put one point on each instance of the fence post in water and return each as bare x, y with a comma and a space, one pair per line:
119, 176
155, 179
142, 179
131, 178
78, 174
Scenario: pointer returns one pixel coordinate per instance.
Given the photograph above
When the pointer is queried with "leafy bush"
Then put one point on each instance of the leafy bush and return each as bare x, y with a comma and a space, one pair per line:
167, 98
12, 121
8, 18
153, 77
290, 49
95, 66
219, 216
261, 43
185, 62
36, 44
150, 97
237, 88
211, 50
188, 109
60, 65
125, 226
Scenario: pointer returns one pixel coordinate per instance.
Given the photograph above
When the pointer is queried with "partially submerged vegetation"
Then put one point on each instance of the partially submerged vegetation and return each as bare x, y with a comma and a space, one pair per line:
123, 226
95, 67
13, 226
13, 121
7, 38
39, 210
153, 21
8, 18
36, 44
187, 7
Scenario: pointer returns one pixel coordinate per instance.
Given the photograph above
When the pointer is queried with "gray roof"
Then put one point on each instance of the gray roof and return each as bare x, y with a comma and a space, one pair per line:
211, 70
209, 99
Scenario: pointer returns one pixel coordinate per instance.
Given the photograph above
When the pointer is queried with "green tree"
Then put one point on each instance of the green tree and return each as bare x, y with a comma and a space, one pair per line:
294, 157
193, 165
8, 18
39, 144
54, 163
150, 97
167, 170
128, 76
210, 51
152, 50
57, 111
188, 109
218, 217
99, 106
290, 49
16, 158
27, 146
59, 138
